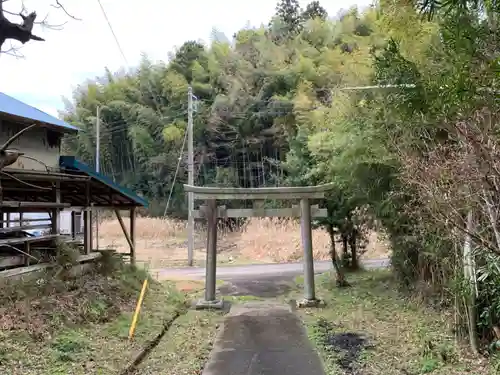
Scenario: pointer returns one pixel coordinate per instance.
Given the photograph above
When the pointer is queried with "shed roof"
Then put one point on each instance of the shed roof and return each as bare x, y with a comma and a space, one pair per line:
16, 108
105, 191
75, 180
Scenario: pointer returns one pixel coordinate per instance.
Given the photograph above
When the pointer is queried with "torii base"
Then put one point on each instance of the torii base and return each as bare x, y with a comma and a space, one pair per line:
311, 303
209, 305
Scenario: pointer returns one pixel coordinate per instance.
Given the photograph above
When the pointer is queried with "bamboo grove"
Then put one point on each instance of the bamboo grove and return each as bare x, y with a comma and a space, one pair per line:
416, 155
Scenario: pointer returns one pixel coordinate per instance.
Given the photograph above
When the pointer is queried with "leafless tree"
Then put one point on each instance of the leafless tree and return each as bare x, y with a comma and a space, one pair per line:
22, 31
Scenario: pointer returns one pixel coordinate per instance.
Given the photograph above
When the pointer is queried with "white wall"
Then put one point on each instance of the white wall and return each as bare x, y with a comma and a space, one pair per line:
33, 143
65, 222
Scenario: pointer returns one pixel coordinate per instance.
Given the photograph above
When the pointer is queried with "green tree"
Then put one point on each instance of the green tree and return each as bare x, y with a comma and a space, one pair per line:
314, 10
289, 12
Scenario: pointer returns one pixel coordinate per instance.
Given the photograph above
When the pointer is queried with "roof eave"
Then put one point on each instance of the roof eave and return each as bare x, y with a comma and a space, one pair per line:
24, 120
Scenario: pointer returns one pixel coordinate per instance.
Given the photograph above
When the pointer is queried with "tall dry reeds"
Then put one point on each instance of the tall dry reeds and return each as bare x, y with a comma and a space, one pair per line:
164, 241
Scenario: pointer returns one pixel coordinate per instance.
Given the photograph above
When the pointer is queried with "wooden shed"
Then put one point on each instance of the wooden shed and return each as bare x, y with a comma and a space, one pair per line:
44, 182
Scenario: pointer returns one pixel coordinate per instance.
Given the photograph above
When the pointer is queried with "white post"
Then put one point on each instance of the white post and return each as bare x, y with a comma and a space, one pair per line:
190, 178
97, 167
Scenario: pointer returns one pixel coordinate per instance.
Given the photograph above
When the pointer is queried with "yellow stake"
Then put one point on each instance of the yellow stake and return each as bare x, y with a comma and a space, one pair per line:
137, 310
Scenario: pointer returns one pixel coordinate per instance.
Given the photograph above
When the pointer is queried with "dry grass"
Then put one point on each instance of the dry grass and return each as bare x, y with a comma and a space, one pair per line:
163, 242
280, 241
80, 326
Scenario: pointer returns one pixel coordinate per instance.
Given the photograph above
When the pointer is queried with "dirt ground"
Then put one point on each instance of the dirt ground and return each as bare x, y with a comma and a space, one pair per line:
163, 243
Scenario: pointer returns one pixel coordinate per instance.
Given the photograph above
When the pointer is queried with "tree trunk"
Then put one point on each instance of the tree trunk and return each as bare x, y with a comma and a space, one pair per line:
354, 255
345, 250
469, 274
341, 281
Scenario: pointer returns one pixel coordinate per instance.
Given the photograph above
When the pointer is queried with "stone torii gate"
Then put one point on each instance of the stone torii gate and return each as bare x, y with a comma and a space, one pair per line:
210, 211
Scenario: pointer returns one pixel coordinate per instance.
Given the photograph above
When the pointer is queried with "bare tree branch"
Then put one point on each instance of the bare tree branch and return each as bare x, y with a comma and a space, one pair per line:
23, 32
20, 32
460, 175
58, 5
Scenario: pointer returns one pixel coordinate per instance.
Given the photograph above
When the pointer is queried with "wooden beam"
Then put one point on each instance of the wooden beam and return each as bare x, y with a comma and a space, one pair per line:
132, 235
21, 240
19, 171
29, 270
124, 207
34, 220
223, 212
24, 227
41, 205
11, 261
124, 229
33, 175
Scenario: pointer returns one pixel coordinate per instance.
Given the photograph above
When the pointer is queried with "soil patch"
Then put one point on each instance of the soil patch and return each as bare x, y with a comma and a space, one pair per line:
347, 346
350, 345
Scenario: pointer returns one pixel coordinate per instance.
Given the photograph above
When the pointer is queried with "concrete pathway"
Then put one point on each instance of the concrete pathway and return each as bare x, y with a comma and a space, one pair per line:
263, 339
259, 270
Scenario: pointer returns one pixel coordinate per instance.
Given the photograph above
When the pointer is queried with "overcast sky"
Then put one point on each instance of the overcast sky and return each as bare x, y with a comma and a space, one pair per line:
51, 69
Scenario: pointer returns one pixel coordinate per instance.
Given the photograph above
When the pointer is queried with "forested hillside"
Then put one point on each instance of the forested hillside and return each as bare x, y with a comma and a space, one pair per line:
276, 105
254, 96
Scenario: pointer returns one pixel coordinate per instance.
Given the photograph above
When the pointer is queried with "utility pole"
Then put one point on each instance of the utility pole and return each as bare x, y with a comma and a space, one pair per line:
190, 178
97, 167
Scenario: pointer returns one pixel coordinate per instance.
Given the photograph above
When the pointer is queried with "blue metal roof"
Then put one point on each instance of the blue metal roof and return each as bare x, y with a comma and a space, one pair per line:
70, 162
14, 107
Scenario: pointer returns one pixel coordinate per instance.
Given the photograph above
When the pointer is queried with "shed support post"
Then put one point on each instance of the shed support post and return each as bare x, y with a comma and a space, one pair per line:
131, 243
91, 228
87, 223
211, 263
305, 227
1, 210
56, 216
73, 225
132, 235
87, 231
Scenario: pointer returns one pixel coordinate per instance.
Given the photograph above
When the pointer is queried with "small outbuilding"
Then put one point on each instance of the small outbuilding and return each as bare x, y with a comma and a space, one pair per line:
42, 183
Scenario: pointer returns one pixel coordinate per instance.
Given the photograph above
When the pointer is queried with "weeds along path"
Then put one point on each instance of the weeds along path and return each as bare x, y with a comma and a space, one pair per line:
372, 329
132, 367
80, 325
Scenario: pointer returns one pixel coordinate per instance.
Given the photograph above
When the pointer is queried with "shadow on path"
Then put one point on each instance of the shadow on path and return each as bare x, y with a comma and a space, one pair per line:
265, 287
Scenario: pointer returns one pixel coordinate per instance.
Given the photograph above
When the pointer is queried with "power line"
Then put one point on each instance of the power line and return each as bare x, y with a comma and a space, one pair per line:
121, 50
176, 172
118, 128
112, 32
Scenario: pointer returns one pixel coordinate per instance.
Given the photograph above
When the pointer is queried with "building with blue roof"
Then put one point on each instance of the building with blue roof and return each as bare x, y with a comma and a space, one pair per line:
18, 111
42, 143
42, 181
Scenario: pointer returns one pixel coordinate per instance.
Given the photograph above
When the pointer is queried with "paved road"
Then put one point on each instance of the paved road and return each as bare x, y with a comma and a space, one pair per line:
259, 270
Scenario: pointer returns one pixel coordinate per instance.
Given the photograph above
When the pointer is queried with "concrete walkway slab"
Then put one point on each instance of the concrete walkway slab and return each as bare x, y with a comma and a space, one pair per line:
263, 339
